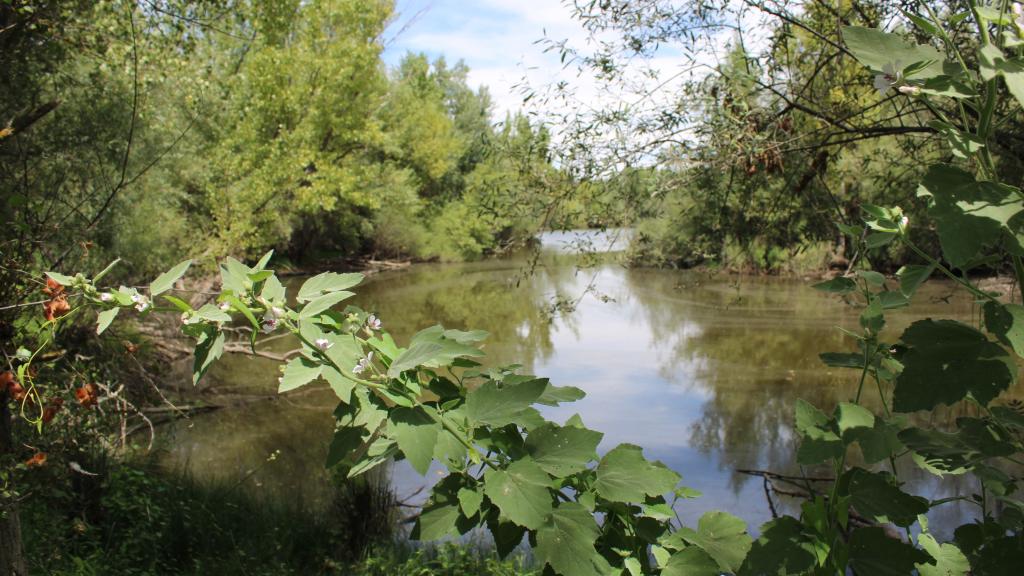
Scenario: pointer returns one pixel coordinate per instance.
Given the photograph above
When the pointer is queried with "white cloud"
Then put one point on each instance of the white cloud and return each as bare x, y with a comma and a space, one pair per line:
496, 38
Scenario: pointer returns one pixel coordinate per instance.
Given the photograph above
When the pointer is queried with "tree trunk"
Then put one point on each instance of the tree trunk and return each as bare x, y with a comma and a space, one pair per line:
12, 558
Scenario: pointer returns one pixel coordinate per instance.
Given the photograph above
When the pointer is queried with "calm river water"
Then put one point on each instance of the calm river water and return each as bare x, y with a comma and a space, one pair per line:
703, 372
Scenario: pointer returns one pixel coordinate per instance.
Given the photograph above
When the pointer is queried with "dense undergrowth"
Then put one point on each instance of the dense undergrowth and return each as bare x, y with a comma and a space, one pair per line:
134, 518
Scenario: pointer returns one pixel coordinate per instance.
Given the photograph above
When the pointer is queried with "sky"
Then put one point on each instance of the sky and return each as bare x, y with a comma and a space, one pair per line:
499, 41
496, 39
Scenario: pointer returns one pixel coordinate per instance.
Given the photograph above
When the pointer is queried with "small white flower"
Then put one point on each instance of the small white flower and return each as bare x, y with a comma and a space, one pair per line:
141, 302
887, 79
1018, 15
904, 221
372, 322
363, 364
106, 297
185, 317
323, 343
224, 306
270, 319
909, 90
269, 324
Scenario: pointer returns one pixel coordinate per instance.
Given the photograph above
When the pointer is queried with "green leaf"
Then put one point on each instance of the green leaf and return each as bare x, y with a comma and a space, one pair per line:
455, 346
566, 539
853, 416
660, 512
808, 416
212, 313
554, 395
507, 535
104, 318
872, 317
60, 278
875, 497
273, 291
970, 214
521, 491
837, 285
878, 442
995, 63
470, 500
995, 16
912, 276
380, 451
562, 451
986, 437
948, 87
624, 475
871, 277
923, 24
385, 346
234, 276
853, 231
416, 433
449, 449
344, 352
209, 347
165, 281
962, 144
691, 562
178, 303
437, 520
938, 452
416, 355
498, 405
466, 337
873, 552
890, 299
879, 239
944, 362
431, 352
1006, 321
819, 442
346, 440
1000, 556
782, 548
878, 50
297, 373
949, 560
340, 383
326, 283
318, 305
723, 536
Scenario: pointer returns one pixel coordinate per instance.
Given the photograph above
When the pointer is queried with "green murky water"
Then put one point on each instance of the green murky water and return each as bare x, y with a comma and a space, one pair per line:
703, 372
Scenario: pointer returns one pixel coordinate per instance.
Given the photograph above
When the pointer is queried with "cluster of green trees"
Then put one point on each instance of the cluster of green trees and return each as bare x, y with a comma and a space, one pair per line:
150, 127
